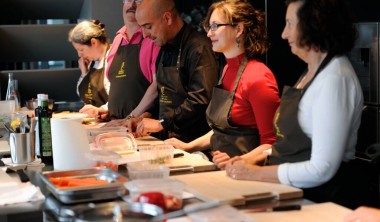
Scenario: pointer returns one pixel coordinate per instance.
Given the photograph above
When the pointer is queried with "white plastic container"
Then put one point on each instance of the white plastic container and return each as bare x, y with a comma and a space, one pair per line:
144, 170
120, 142
103, 158
157, 154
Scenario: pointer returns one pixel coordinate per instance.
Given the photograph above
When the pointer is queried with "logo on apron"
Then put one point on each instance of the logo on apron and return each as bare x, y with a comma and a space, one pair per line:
162, 90
88, 95
121, 72
163, 97
278, 131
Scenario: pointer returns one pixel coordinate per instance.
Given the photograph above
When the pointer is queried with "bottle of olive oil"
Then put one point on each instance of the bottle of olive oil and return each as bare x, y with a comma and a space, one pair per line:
46, 149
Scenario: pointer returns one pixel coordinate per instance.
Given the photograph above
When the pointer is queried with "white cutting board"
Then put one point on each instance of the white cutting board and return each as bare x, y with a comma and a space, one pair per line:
7, 183
215, 185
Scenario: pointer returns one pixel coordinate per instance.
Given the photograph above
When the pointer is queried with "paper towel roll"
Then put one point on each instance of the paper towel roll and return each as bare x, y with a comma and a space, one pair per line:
70, 144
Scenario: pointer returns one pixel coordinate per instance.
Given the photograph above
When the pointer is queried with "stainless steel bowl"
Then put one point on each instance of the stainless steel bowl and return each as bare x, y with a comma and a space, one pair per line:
115, 211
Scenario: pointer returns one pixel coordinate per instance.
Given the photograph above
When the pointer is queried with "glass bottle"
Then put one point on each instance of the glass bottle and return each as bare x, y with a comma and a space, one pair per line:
46, 149
12, 93
40, 97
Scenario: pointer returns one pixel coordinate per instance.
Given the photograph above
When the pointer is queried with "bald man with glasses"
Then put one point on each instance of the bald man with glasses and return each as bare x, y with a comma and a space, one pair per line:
187, 70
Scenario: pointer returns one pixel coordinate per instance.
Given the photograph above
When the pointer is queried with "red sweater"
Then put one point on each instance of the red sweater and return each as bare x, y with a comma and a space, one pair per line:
256, 98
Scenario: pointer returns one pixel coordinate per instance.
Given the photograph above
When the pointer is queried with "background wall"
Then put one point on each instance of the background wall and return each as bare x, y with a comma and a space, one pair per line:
34, 46
23, 45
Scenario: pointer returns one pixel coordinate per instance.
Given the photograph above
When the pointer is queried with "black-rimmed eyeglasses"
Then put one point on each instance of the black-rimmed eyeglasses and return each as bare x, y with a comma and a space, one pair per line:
129, 1
214, 26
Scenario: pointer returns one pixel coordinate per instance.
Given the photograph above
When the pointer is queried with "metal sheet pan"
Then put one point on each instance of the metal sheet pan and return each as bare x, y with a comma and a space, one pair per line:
111, 190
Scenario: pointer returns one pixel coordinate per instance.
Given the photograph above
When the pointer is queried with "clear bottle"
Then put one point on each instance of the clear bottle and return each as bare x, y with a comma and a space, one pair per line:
12, 93
37, 114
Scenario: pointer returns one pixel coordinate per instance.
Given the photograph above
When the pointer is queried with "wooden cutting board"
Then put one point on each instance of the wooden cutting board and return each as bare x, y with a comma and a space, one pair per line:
188, 162
326, 212
216, 185
195, 162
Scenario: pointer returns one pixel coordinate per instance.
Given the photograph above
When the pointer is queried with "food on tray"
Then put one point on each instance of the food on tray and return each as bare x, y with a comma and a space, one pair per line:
156, 198
161, 160
67, 182
166, 202
107, 164
93, 184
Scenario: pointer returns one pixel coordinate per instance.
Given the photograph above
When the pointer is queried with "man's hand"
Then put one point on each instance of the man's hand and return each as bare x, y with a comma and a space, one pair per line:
148, 126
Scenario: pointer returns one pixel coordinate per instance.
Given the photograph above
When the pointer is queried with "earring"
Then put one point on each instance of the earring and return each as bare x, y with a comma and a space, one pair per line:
238, 42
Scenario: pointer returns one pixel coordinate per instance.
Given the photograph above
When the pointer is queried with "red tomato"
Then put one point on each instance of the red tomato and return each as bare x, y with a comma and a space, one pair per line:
172, 202
156, 198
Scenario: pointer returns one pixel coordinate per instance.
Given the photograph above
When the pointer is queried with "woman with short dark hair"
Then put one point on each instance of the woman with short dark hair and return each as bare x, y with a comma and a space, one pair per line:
317, 123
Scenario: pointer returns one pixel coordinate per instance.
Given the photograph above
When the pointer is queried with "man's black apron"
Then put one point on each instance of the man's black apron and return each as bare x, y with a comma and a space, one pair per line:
233, 140
91, 89
171, 94
128, 83
293, 145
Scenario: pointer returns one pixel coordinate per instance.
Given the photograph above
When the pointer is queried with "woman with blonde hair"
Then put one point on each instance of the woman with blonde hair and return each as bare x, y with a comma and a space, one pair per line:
90, 40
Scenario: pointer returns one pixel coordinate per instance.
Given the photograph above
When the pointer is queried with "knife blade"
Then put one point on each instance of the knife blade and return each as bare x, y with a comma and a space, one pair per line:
188, 209
20, 172
276, 208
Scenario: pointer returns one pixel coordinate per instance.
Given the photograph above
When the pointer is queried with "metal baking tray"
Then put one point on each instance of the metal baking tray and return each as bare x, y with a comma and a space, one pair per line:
112, 190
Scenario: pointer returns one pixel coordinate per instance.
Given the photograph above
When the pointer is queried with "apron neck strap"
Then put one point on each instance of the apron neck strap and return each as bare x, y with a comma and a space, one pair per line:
323, 64
239, 73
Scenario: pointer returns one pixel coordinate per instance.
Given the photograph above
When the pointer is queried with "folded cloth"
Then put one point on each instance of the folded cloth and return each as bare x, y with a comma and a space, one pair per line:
27, 192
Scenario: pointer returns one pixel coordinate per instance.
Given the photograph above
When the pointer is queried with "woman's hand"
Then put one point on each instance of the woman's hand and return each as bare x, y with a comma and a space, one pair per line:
92, 111
177, 144
102, 115
239, 169
363, 214
258, 155
220, 159
83, 65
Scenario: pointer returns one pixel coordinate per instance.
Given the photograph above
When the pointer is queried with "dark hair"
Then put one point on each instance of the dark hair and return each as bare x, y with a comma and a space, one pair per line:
240, 11
326, 24
84, 31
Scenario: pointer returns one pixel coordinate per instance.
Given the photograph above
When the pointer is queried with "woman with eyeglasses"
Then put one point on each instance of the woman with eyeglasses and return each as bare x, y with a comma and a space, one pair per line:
90, 40
244, 102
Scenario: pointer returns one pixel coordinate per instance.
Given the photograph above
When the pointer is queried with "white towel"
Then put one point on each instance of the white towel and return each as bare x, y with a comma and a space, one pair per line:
27, 192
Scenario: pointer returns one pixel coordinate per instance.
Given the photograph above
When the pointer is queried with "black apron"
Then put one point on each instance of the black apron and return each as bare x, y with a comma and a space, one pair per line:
128, 83
293, 145
233, 140
171, 94
91, 89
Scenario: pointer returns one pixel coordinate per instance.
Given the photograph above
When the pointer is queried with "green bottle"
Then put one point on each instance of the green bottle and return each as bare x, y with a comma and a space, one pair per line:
46, 148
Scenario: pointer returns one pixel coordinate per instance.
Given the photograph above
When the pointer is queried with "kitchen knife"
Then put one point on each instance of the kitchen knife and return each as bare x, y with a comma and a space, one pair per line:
274, 209
188, 209
20, 172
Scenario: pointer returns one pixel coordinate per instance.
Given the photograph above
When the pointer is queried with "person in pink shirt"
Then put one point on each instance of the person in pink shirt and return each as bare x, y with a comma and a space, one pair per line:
130, 69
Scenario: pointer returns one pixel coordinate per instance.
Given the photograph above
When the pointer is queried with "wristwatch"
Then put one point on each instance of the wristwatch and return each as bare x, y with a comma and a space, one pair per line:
163, 123
130, 116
